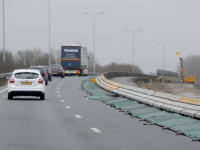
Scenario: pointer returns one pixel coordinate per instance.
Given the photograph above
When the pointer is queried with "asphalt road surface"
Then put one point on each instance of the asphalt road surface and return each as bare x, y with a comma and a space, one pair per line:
66, 120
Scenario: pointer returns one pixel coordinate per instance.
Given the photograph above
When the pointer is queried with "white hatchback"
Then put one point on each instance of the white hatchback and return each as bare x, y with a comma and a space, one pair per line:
26, 82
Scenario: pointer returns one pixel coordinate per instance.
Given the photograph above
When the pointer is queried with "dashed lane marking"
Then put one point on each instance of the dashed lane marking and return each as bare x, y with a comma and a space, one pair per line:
62, 101
96, 130
78, 116
68, 107
60, 83
59, 96
57, 92
3, 90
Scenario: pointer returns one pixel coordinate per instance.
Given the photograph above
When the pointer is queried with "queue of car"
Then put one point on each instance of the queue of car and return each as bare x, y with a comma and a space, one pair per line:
32, 81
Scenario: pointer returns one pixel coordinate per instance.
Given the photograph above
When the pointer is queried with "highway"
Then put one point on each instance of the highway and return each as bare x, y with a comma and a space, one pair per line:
67, 120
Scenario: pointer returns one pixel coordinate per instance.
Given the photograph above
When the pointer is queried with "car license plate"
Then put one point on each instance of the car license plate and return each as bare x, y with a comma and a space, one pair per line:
55, 73
26, 83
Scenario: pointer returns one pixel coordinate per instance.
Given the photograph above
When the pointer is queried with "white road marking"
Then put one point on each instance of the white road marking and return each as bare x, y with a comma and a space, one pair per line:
60, 83
96, 130
59, 96
57, 92
59, 86
68, 107
78, 116
3, 90
62, 101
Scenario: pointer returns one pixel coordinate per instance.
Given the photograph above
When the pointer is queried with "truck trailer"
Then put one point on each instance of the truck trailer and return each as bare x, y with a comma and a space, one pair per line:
74, 59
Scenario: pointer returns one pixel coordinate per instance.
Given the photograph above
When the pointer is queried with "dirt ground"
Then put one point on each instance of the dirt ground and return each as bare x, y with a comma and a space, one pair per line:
173, 87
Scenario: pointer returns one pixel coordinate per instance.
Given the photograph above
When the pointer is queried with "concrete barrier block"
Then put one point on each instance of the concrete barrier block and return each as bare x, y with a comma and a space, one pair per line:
165, 106
150, 102
176, 109
157, 104
167, 96
190, 100
197, 115
189, 112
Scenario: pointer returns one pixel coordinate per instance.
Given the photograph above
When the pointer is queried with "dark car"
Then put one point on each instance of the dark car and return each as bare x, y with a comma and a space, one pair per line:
48, 72
57, 70
42, 71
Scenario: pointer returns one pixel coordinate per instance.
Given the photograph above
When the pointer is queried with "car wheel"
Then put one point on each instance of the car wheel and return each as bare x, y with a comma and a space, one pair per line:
46, 83
10, 96
62, 76
42, 97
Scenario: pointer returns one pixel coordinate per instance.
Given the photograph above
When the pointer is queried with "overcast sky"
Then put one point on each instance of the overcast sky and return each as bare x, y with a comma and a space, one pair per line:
162, 21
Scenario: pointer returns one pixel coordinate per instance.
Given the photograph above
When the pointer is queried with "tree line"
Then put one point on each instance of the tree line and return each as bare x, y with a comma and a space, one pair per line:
23, 59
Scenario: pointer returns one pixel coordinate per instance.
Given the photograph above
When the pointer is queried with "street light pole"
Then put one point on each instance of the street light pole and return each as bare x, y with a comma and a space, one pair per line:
163, 67
49, 37
93, 17
4, 59
133, 46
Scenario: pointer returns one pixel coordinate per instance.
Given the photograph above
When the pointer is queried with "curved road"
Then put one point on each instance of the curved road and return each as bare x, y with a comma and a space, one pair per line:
66, 120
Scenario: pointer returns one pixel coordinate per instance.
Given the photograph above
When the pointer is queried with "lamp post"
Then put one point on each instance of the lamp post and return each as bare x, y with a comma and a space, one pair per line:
49, 37
93, 17
116, 64
4, 59
163, 67
133, 45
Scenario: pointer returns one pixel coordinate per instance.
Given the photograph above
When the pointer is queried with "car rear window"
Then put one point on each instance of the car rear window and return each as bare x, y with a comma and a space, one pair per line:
55, 66
46, 68
36, 68
26, 75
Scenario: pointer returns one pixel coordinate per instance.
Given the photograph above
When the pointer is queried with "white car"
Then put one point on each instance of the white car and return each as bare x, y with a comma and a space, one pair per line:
26, 82
85, 72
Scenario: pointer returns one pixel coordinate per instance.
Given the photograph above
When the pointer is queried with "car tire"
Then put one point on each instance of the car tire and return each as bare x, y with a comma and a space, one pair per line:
42, 97
62, 76
10, 96
46, 83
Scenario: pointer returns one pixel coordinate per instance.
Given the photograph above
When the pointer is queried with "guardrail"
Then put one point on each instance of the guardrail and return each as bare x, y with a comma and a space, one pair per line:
5, 75
169, 102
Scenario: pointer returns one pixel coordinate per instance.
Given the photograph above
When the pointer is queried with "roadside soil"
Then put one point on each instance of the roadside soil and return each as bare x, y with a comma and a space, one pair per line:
168, 85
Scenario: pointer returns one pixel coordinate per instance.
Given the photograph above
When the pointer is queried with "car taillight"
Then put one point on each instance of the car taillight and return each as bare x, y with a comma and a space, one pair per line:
12, 80
78, 71
40, 80
45, 74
